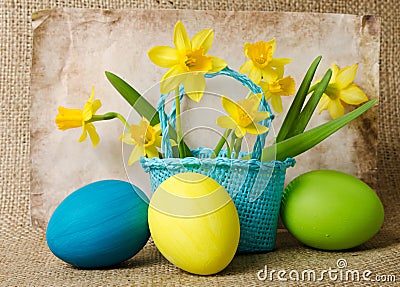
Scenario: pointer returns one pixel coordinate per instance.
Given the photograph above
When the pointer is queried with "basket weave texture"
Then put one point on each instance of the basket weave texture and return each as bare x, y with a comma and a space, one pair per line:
255, 187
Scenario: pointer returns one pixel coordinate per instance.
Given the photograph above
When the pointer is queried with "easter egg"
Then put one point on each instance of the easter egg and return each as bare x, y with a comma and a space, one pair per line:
331, 210
99, 225
194, 223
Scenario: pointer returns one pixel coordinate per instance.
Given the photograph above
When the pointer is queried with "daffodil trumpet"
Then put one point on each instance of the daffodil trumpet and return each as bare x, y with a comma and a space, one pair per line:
142, 106
187, 62
74, 118
145, 138
243, 117
341, 91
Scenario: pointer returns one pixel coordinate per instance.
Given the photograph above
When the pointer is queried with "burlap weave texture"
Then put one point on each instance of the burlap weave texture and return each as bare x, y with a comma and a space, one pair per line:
24, 257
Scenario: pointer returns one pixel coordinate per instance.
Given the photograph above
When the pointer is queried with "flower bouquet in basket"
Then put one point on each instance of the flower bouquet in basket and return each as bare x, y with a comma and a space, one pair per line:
254, 180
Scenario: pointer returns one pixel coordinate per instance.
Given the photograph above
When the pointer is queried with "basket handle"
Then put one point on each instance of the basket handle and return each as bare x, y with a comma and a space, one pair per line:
169, 120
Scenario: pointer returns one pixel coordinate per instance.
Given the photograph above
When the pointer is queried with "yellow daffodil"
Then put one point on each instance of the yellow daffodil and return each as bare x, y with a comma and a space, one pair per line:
243, 116
187, 62
261, 64
274, 89
145, 138
341, 90
74, 118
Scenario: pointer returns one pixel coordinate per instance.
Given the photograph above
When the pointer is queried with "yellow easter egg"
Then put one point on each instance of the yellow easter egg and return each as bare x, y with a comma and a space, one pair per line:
194, 223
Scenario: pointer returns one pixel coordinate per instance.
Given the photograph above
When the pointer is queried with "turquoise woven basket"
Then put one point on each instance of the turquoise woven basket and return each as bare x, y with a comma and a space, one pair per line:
255, 187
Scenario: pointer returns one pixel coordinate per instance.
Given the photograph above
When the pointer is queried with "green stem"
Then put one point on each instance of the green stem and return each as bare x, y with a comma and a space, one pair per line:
221, 143
233, 139
228, 150
179, 124
109, 116
238, 146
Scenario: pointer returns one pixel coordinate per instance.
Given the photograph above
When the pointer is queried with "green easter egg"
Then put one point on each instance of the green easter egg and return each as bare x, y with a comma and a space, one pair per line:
331, 210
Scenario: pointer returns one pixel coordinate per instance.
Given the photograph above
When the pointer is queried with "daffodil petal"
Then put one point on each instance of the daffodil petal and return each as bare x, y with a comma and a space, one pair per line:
157, 141
144, 124
83, 135
87, 111
276, 103
229, 106
226, 122
135, 155
280, 70
279, 62
272, 43
240, 131
203, 39
265, 87
256, 129
217, 64
335, 109
95, 106
151, 151
181, 39
164, 56
127, 138
171, 79
323, 103
255, 75
246, 49
353, 95
269, 75
91, 95
267, 95
134, 128
335, 71
157, 129
261, 116
94, 136
195, 85
346, 76
246, 67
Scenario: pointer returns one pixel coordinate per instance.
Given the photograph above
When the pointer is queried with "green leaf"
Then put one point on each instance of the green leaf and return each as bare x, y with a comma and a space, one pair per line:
134, 98
298, 101
140, 104
304, 141
305, 115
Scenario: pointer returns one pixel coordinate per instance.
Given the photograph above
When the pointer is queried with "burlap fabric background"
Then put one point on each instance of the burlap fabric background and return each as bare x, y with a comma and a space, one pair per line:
24, 257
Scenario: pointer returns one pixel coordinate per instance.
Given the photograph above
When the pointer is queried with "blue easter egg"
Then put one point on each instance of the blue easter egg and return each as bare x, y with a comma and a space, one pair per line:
99, 225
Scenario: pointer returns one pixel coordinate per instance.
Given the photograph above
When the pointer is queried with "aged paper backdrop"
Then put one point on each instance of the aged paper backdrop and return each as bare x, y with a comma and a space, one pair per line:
73, 48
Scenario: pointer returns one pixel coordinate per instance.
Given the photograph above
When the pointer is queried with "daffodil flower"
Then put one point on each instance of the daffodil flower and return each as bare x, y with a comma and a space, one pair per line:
145, 138
74, 118
341, 90
243, 116
274, 89
261, 64
187, 62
